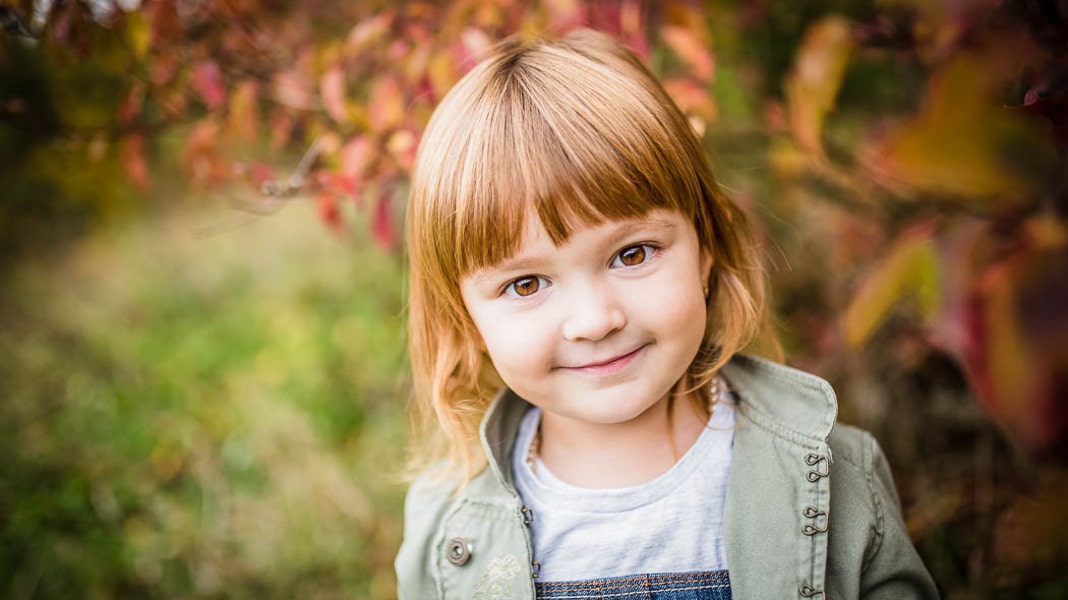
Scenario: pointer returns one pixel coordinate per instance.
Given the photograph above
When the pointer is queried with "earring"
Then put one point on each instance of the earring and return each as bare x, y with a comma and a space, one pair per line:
704, 289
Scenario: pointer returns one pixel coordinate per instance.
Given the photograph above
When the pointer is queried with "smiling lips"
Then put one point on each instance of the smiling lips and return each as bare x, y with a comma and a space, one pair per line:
610, 366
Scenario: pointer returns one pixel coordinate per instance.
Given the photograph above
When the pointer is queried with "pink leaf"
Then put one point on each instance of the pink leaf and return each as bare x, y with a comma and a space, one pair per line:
368, 32
260, 173
292, 89
686, 44
207, 81
356, 155
565, 14
332, 89
692, 97
474, 46
200, 157
387, 106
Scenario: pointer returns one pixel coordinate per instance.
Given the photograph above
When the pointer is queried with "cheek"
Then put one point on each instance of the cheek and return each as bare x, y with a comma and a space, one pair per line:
686, 314
514, 343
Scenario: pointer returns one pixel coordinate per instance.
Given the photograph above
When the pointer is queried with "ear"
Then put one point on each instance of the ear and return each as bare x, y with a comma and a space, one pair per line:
706, 266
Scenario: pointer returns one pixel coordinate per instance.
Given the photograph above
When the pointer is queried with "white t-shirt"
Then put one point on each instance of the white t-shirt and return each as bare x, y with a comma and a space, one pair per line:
672, 524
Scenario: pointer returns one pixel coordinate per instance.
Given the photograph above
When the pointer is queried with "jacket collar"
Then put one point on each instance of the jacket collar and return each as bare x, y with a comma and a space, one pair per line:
799, 403
498, 431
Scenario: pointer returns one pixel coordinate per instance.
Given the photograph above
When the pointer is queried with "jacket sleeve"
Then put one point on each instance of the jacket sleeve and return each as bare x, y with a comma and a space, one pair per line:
426, 502
892, 568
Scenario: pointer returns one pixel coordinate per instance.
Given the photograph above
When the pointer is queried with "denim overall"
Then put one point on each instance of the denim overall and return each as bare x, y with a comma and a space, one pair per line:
708, 585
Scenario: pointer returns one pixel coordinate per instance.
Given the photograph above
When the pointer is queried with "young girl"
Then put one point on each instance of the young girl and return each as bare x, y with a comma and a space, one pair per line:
580, 292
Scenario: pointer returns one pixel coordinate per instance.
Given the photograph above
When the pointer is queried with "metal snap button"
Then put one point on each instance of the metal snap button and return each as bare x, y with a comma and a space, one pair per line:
458, 551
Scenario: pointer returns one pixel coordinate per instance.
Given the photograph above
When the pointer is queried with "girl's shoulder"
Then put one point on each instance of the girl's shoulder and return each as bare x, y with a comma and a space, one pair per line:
428, 500
861, 471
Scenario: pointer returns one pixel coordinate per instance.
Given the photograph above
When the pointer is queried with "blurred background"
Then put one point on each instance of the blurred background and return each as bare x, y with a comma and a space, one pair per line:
203, 380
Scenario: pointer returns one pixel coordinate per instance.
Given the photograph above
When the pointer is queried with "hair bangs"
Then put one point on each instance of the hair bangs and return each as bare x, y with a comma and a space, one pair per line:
571, 150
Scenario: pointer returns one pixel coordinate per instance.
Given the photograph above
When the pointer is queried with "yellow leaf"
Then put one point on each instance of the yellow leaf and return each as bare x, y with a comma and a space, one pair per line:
812, 86
958, 142
138, 34
1010, 363
243, 113
911, 268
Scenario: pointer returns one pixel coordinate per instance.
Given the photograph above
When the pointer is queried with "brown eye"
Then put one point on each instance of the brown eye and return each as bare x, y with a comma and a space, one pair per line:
631, 257
524, 286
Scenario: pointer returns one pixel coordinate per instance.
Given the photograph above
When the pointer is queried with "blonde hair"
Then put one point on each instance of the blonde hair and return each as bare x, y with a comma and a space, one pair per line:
578, 131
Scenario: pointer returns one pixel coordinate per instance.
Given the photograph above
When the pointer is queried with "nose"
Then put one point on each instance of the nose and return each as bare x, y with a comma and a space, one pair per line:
593, 312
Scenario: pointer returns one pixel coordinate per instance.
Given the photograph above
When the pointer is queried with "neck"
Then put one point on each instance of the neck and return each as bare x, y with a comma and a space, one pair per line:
621, 454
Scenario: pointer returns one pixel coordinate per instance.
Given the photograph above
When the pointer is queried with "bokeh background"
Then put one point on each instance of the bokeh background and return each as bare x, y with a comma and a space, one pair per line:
203, 379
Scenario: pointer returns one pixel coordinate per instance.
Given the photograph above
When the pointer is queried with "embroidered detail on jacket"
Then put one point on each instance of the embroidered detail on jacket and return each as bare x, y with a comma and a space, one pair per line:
496, 583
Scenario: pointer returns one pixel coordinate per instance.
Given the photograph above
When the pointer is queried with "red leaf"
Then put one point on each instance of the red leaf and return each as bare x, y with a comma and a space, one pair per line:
329, 211
282, 125
131, 106
342, 184
382, 229
133, 161
207, 81
1009, 337
259, 174
200, 158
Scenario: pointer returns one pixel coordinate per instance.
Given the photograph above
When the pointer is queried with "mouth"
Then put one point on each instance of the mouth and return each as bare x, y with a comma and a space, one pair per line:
610, 365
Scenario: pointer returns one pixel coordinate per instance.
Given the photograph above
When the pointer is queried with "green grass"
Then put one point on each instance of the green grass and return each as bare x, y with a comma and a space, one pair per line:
203, 417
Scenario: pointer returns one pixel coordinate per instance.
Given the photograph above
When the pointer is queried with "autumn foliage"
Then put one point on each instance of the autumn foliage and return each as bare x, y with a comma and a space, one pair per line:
906, 158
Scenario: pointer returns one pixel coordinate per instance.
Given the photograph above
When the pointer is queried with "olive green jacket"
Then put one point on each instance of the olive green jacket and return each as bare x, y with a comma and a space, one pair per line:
811, 508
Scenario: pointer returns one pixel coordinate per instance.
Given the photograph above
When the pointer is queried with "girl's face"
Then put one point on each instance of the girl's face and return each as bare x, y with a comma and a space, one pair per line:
597, 330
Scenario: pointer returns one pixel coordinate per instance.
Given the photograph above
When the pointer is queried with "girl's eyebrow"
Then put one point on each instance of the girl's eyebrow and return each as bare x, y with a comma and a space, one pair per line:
624, 228
520, 263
